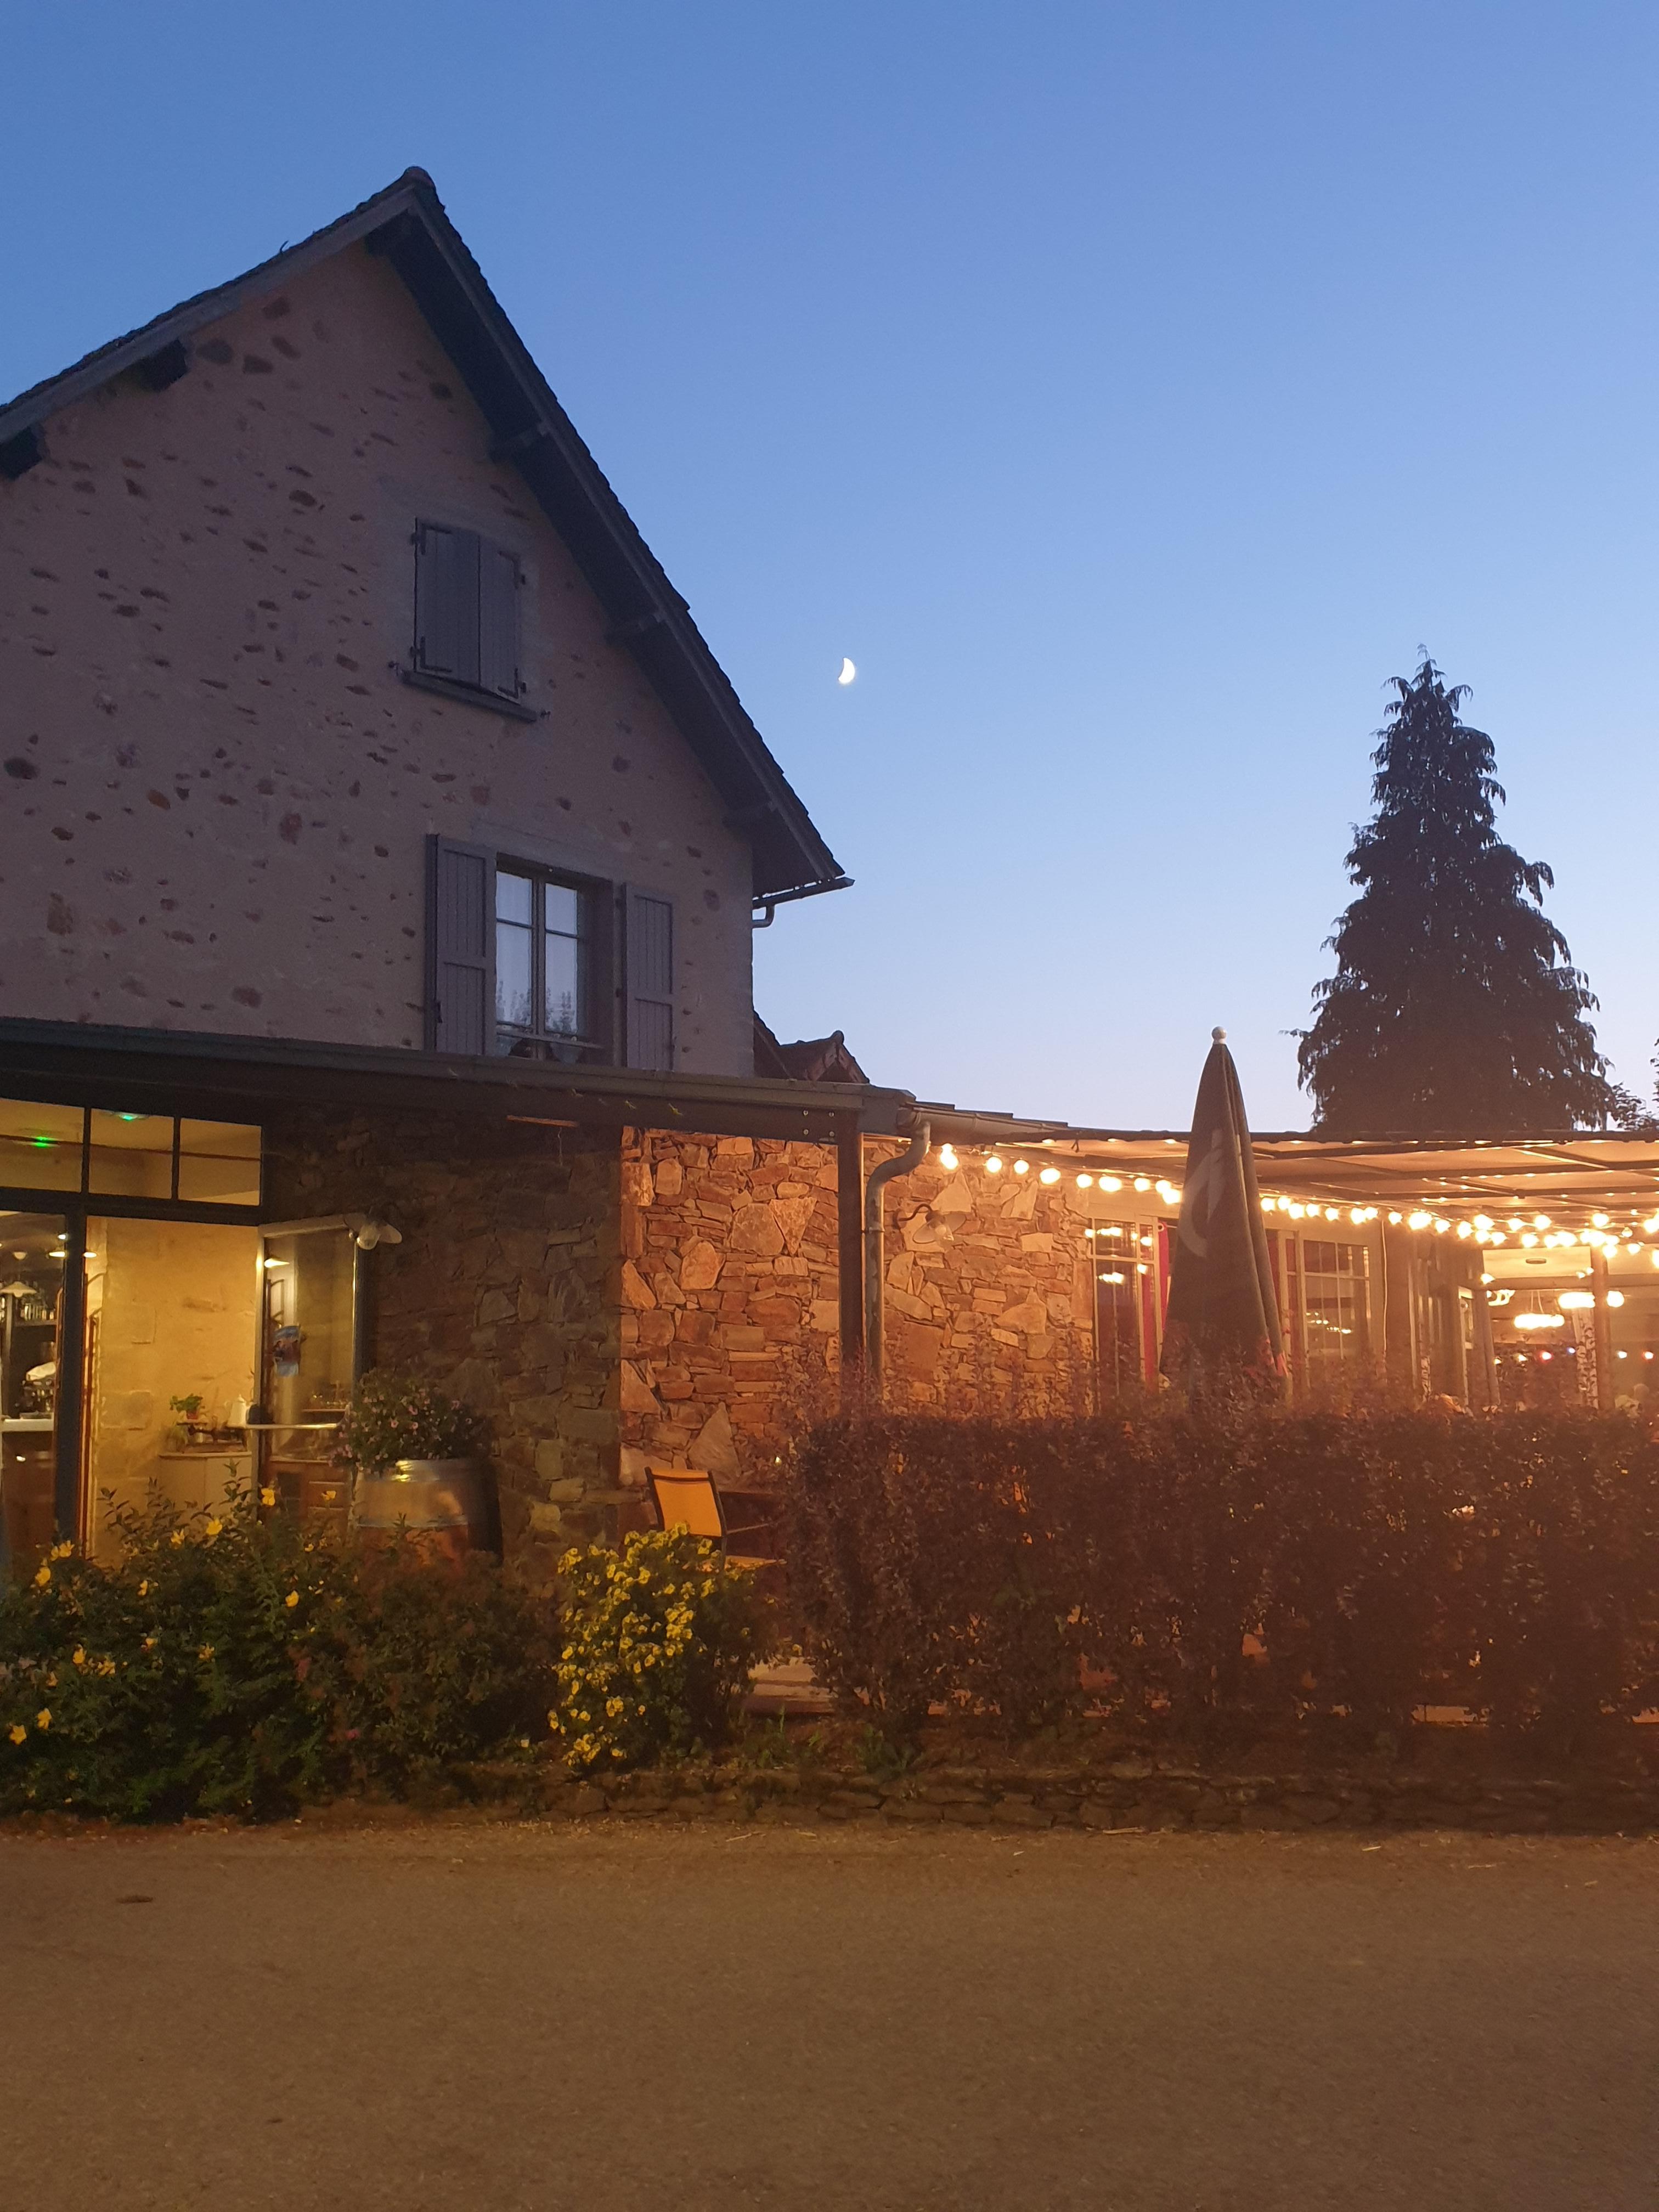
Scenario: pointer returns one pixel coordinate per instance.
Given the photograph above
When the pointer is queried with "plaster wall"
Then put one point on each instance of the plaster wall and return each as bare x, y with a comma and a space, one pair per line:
217, 787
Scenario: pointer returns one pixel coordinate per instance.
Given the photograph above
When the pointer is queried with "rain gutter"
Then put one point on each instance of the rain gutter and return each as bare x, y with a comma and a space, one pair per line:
874, 1265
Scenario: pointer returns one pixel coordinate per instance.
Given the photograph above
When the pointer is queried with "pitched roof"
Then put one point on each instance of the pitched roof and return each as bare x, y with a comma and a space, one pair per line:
809, 1060
407, 224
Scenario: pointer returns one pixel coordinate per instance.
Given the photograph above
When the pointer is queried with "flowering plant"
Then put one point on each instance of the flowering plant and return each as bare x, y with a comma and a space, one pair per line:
393, 1417
659, 1640
221, 1663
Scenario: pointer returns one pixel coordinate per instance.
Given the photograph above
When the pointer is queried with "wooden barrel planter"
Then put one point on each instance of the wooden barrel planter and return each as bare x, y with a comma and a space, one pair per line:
442, 1504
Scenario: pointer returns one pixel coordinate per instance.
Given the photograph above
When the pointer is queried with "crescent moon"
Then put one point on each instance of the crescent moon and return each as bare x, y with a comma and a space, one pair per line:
848, 672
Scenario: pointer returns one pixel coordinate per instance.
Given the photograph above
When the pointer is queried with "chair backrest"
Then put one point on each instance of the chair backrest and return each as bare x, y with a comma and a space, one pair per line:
686, 1496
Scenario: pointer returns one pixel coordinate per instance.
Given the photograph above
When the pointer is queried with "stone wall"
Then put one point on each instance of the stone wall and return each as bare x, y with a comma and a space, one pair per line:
729, 1288
730, 1292
504, 1290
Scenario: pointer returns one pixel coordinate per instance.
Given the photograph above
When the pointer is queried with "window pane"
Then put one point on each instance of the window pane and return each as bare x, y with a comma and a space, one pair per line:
564, 1006
221, 1140
131, 1153
564, 909
511, 897
212, 1182
40, 1146
513, 1001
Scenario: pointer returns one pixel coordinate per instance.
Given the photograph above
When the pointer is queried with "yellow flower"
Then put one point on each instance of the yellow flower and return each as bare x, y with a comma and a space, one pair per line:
43, 1718
143, 1590
553, 1721
205, 1651
78, 1656
214, 1527
150, 1643
106, 1666
60, 1551
42, 1576
291, 1600
17, 1732
267, 1498
177, 1537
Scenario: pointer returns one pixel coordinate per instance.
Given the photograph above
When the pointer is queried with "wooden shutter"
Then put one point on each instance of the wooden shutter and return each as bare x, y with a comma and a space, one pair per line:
498, 620
446, 566
650, 956
460, 907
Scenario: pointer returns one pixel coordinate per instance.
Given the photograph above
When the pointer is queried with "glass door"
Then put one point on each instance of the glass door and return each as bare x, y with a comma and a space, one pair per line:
310, 1353
33, 1252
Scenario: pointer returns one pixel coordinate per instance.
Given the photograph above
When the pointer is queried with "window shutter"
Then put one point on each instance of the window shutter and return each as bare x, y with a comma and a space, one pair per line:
650, 982
446, 563
460, 906
498, 620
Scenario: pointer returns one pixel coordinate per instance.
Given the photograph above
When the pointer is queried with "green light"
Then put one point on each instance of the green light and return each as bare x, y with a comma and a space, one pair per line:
41, 1144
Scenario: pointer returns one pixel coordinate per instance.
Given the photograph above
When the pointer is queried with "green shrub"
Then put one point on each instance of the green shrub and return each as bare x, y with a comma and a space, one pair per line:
221, 1664
659, 1639
1386, 1560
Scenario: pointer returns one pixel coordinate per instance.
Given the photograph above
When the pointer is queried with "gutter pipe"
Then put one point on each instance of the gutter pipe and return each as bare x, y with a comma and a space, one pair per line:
874, 1267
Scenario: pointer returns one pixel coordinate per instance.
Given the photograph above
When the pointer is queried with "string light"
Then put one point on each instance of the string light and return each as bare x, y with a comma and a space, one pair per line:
993, 1166
1049, 1175
1085, 1183
1022, 1167
947, 1159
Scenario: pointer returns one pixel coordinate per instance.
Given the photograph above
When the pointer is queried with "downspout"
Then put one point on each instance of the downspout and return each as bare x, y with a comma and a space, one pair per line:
874, 1276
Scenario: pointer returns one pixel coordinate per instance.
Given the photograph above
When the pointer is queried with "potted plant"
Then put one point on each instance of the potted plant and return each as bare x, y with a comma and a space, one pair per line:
415, 1454
189, 1426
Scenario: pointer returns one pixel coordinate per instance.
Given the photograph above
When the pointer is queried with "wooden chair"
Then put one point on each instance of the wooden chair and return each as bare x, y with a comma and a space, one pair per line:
685, 1497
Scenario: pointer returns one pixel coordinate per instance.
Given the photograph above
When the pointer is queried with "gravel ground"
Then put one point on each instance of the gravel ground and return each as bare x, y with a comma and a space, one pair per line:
454, 2014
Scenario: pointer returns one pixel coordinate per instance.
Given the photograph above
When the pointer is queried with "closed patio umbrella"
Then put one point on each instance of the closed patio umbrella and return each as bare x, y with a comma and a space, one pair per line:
1224, 1311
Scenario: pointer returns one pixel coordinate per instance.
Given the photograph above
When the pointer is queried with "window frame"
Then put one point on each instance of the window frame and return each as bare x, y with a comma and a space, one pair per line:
484, 555
595, 966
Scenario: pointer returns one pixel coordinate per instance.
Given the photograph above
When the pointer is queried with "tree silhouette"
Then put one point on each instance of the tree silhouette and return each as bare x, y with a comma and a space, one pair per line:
1454, 1008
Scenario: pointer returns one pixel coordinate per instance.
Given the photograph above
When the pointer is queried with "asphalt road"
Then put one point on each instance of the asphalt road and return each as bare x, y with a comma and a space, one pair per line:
458, 2015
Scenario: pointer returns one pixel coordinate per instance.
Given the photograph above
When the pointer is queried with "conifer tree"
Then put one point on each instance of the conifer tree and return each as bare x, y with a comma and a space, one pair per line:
1454, 1008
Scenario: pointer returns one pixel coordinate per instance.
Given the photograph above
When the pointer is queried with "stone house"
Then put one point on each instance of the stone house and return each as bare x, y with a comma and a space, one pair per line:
379, 849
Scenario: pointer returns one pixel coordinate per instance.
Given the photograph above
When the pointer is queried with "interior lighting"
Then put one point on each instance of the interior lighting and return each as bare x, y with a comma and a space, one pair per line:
1576, 1301
1615, 1297
1647, 1355
1541, 1221
1485, 1278
1652, 1224
1085, 1183
1513, 1223
1393, 1221
1598, 1220
1621, 1355
1114, 1279
1546, 1355
1484, 1224
1417, 1220
1141, 1268
1464, 1230
993, 1164
1540, 1320
1528, 1239
1049, 1175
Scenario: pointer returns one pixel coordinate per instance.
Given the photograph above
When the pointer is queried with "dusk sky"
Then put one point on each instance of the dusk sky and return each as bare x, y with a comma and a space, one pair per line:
1129, 390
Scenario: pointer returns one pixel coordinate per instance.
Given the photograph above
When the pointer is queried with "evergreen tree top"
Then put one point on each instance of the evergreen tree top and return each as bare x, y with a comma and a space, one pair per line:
1455, 1009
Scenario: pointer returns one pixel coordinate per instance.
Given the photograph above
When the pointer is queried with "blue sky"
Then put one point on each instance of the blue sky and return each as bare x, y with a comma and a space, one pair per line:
1129, 390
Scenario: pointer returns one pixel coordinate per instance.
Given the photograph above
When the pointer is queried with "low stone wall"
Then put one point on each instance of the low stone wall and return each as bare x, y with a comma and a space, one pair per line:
1128, 1796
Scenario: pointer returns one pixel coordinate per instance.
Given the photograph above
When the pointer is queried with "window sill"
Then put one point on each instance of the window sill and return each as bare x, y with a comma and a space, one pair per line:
470, 696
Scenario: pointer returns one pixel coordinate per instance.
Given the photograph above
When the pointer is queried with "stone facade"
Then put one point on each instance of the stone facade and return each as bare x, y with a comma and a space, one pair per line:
504, 1291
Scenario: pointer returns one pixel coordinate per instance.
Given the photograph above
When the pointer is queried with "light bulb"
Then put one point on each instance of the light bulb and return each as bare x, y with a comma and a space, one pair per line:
1142, 1182
1110, 1182
1615, 1297
1085, 1183
1393, 1221
993, 1164
1529, 1238
1022, 1167
947, 1159
1417, 1220
1464, 1230
1598, 1220
1541, 1221
1049, 1175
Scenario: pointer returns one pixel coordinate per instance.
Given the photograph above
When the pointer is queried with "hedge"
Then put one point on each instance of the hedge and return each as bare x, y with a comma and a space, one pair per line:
1378, 1563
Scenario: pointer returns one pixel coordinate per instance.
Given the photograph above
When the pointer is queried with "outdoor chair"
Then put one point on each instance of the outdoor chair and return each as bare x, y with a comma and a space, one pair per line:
685, 1497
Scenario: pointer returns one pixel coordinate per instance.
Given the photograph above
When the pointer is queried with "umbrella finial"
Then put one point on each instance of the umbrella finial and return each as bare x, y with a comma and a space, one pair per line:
1219, 1035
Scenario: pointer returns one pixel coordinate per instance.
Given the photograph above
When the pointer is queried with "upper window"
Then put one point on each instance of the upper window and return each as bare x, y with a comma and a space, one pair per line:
152, 1156
544, 966
466, 616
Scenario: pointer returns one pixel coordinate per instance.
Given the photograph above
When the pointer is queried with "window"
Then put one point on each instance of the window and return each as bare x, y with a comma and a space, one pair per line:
138, 1156
545, 963
530, 960
466, 618
1119, 1265
1336, 1305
